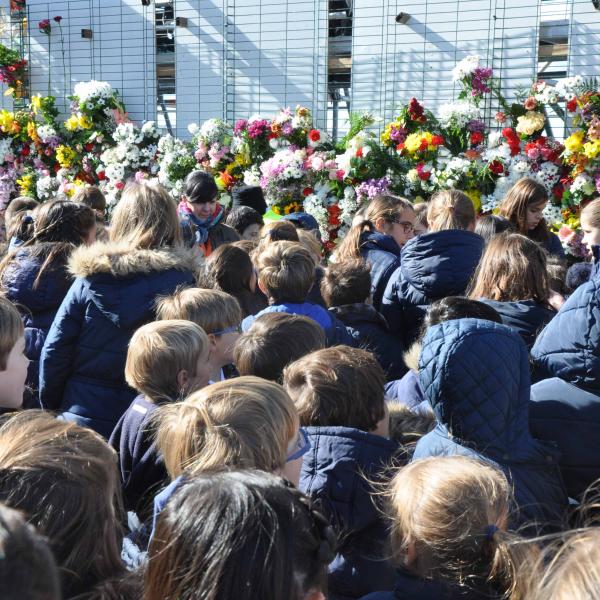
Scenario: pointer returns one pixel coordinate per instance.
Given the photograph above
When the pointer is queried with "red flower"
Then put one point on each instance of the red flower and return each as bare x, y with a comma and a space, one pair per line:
530, 103
314, 135
424, 145
25, 150
359, 153
307, 191
58, 18
496, 167
272, 136
416, 111
89, 147
340, 174
510, 134
44, 26
400, 147
438, 140
119, 185
422, 173
572, 105
476, 138
101, 176
334, 212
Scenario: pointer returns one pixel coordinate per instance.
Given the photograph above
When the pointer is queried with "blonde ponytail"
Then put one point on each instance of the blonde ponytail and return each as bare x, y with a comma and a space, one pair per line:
450, 209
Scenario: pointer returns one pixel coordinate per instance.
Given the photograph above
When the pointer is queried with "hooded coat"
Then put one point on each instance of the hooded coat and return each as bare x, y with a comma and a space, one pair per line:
483, 412
566, 403
114, 293
433, 266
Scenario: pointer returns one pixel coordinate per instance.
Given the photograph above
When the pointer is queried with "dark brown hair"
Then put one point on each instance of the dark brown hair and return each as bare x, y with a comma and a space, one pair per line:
512, 268
274, 341
339, 386
346, 282
522, 195
14, 215
91, 196
450, 209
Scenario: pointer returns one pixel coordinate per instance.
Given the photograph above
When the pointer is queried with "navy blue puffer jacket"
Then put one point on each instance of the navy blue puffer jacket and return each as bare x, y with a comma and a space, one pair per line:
475, 374
370, 331
38, 304
114, 293
566, 407
383, 254
336, 472
433, 266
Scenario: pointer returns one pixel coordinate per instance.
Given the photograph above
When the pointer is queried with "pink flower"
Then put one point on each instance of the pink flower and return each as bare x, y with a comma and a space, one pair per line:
318, 164
330, 164
340, 173
119, 185
500, 117
45, 27
530, 103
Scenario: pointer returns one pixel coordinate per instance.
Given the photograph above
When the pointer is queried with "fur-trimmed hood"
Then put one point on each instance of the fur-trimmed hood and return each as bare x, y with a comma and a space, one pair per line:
121, 260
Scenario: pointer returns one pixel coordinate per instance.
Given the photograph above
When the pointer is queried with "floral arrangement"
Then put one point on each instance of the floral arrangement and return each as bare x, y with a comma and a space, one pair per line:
12, 67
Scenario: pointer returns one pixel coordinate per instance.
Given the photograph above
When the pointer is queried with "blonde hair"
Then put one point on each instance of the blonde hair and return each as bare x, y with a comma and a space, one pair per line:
158, 352
592, 212
11, 329
450, 209
452, 511
243, 423
512, 268
145, 217
386, 207
309, 241
523, 194
212, 310
573, 573
286, 270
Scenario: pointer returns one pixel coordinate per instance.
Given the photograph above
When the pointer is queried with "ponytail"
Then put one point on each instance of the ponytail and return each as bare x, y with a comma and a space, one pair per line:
450, 209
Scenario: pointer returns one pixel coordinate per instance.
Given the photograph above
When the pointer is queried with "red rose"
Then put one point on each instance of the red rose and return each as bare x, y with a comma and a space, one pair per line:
314, 135
424, 145
119, 185
572, 105
437, 140
101, 176
58, 18
476, 138
25, 151
359, 153
272, 136
496, 167
89, 147
307, 191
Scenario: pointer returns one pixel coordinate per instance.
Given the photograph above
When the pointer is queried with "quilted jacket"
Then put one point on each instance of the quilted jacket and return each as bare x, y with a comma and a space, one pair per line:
370, 331
484, 412
83, 360
336, 473
567, 355
433, 266
38, 305
383, 254
596, 266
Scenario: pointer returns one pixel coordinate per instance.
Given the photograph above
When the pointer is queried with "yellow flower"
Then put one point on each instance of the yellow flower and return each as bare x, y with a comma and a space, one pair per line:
72, 123
36, 103
413, 143
65, 156
592, 149
7, 120
32, 132
26, 185
575, 141
74, 187
531, 122
85, 122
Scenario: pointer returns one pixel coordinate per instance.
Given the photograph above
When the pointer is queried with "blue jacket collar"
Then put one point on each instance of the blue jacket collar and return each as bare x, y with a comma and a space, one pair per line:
379, 241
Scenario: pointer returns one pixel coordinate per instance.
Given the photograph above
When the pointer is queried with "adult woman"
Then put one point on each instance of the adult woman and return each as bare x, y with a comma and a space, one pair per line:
202, 216
523, 206
387, 224
114, 293
35, 276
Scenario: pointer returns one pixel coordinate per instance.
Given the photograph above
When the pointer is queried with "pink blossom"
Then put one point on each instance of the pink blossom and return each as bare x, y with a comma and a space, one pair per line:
330, 164
318, 164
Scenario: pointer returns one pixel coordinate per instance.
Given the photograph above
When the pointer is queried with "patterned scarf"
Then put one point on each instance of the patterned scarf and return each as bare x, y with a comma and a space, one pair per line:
202, 227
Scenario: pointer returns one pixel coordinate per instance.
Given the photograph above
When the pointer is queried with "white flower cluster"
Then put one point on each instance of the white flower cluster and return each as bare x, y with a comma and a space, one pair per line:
450, 174
545, 93
284, 165
548, 175
252, 176
552, 214
349, 205
88, 91
567, 87
316, 205
5, 150
46, 133
215, 131
458, 114
465, 67
170, 149
46, 187
358, 142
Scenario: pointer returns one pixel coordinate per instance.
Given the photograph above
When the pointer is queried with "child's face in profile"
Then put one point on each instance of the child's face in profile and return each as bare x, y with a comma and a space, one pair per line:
224, 345
203, 369
12, 379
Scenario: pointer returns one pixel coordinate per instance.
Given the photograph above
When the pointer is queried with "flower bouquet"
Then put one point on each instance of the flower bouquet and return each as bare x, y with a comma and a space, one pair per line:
12, 67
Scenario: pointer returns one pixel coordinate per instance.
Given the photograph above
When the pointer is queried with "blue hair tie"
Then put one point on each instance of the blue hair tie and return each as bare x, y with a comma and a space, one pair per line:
489, 532
27, 219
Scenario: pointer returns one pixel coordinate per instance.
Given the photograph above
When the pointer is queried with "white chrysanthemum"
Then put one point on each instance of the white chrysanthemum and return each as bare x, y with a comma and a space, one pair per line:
552, 214
87, 91
458, 114
465, 67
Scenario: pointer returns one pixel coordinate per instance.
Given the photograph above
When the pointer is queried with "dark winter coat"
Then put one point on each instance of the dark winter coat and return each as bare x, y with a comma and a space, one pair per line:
37, 304
526, 317
596, 265
566, 404
475, 374
408, 391
335, 332
141, 466
383, 254
114, 293
433, 266
369, 330
336, 473
553, 245
218, 235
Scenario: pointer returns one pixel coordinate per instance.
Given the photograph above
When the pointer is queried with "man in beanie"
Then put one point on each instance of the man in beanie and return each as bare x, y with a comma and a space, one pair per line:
201, 216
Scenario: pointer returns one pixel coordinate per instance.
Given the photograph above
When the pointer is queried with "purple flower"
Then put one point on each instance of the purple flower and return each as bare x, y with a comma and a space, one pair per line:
240, 126
476, 125
398, 134
373, 187
479, 80
287, 129
597, 180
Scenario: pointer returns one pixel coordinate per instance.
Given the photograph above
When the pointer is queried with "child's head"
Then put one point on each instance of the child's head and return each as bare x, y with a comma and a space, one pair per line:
590, 224
309, 240
512, 268
577, 275
64, 221
279, 231
557, 273
239, 534
13, 362
274, 341
523, 206
339, 387
145, 217
286, 272
448, 520
421, 224
65, 479
14, 214
167, 359
489, 226
218, 313
242, 423
27, 567
384, 214
92, 196
230, 270
346, 282
246, 221
450, 209
457, 307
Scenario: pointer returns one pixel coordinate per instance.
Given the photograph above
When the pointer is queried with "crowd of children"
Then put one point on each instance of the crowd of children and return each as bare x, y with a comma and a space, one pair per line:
197, 405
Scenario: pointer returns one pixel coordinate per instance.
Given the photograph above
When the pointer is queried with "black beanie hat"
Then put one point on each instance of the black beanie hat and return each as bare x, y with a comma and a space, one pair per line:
200, 186
249, 195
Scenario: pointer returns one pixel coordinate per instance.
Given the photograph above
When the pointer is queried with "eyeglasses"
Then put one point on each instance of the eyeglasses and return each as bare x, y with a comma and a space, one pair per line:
232, 329
302, 446
406, 225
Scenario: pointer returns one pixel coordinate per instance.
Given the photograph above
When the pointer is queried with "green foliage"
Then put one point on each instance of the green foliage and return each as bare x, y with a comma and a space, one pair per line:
7, 56
358, 122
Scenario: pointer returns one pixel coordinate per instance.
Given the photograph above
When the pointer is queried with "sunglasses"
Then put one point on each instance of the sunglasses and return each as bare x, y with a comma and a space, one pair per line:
302, 446
406, 225
232, 329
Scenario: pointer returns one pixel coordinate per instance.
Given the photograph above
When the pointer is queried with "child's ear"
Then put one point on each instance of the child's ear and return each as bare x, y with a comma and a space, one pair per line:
182, 379
261, 287
212, 340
